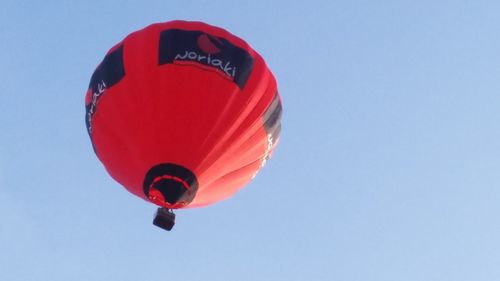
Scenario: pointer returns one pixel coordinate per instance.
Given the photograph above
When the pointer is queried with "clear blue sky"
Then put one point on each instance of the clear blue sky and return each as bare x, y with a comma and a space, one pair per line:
388, 166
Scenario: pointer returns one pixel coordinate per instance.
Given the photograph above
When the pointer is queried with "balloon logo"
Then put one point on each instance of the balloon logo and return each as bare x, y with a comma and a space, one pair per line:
209, 44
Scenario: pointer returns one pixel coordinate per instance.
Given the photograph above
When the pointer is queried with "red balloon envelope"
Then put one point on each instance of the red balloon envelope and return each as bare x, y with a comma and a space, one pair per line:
183, 114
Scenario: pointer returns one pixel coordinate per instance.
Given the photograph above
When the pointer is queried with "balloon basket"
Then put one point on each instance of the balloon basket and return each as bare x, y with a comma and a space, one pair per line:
164, 218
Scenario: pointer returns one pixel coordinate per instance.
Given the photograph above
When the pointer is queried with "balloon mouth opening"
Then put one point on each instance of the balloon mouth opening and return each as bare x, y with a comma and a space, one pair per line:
167, 188
169, 185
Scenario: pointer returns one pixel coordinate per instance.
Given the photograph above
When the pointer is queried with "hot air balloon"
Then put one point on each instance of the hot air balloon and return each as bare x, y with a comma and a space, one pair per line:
182, 114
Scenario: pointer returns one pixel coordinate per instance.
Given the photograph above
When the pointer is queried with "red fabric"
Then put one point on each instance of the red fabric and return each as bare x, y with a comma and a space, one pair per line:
185, 113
